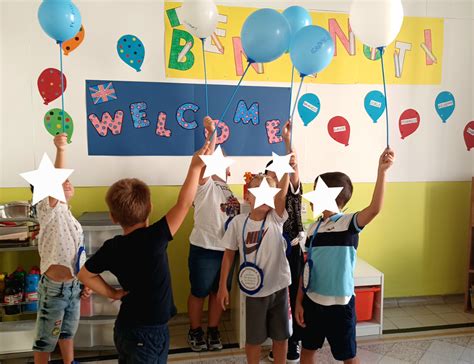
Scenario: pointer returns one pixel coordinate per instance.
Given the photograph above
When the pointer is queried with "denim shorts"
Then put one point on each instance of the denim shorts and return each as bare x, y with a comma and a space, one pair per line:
142, 344
58, 313
205, 270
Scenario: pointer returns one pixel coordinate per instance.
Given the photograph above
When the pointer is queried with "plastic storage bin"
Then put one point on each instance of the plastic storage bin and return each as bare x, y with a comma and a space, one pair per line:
97, 305
93, 333
16, 336
364, 302
97, 228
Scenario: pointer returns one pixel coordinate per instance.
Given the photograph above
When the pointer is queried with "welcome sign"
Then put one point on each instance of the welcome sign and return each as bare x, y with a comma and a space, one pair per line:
151, 118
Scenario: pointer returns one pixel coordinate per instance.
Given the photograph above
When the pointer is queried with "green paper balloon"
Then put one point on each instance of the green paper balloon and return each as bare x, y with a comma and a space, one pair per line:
53, 123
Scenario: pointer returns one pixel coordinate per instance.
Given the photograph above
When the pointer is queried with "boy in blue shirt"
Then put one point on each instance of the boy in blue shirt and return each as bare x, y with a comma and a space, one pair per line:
327, 309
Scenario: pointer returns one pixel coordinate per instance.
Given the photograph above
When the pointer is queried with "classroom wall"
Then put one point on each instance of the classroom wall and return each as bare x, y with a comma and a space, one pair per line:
420, 239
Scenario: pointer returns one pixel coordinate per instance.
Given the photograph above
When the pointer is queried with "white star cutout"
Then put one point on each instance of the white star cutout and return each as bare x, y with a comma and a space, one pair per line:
264, 194
47, 180
323, 198
216, 164
280, 165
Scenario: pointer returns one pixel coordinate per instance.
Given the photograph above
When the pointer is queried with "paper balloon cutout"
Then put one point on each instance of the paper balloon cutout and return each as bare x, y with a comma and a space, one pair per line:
409, 122
374, 104
71, 44
308, 108
53, 122
340, 130
469, 135
131, 50
445, 105
49, 84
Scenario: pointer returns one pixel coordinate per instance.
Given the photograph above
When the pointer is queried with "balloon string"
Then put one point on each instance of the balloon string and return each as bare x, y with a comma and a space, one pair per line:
381, 50
232, 97
205, 76
291, 87
293, 112
62, 82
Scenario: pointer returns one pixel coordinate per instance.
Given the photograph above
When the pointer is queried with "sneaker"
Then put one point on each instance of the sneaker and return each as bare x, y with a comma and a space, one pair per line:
214, 341
196, 340
270, 356
293, 354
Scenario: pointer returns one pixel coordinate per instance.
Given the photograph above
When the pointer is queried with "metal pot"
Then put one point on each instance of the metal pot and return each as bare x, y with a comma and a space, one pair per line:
15, 210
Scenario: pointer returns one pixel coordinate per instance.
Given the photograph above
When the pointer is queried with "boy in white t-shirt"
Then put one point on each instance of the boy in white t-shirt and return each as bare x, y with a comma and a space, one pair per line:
214, 208
60, 247
259, 239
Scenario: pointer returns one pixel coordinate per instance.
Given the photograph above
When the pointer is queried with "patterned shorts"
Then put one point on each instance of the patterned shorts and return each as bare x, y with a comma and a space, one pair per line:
58, 313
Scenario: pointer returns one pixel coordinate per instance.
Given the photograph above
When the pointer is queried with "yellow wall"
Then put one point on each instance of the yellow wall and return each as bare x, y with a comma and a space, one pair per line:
419, 240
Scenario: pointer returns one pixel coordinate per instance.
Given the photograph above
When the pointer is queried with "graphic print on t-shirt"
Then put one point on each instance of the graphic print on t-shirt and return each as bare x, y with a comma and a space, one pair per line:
231, 207
251, 241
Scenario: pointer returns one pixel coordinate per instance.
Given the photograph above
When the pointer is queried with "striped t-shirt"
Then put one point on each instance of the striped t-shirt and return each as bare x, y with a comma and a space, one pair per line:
334, 255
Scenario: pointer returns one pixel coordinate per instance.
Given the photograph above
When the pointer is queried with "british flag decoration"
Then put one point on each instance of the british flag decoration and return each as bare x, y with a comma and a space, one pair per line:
103, 93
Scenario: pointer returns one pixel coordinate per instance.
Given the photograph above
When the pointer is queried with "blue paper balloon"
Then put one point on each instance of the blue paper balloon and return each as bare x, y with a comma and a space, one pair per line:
374, 104
131, 50
311, 50
265, 35
60, 19
298, 17
445, 105
308, 108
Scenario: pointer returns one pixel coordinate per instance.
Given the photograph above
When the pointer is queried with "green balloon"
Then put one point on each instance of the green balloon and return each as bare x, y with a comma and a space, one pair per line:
53, 122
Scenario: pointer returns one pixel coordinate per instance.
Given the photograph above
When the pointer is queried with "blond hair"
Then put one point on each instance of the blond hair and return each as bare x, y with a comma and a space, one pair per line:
129, 201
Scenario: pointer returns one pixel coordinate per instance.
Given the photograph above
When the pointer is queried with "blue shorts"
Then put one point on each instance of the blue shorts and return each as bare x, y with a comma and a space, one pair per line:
142, 344
335, 323
205, 270
58, 313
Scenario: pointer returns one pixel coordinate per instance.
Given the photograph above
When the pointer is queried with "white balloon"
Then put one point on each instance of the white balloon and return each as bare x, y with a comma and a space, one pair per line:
376, 23
199, 17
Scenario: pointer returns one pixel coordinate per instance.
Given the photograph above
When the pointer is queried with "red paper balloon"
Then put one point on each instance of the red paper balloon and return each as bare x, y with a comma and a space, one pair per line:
49, 84
408, 123
469, 135
340, 130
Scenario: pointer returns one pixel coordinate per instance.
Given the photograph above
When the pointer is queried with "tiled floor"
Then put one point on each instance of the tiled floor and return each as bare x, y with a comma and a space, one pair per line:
427, 315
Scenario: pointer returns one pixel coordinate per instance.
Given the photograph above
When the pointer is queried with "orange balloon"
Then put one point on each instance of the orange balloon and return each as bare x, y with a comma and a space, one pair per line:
71, 44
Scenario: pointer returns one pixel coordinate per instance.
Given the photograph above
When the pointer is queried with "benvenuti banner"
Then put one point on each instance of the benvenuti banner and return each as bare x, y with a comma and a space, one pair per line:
414, 58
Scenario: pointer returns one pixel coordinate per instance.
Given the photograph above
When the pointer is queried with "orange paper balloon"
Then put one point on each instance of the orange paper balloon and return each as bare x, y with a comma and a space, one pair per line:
71, 44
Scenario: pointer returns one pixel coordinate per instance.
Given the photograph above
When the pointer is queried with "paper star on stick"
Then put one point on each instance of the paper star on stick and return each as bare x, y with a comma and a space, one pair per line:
47, 180
323, 198
280, 165
216, 164
264, 194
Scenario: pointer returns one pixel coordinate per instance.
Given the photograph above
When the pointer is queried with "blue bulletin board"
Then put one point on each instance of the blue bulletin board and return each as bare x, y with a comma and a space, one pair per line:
151, 118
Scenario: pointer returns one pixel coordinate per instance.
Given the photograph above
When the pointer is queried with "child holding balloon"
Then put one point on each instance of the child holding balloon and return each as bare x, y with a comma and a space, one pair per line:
214, 208
325, 305
62, 253
265, 275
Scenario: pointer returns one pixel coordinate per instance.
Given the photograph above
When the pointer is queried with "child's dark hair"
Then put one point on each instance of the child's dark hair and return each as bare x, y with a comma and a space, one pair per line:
32, 188
268, 165
338, 179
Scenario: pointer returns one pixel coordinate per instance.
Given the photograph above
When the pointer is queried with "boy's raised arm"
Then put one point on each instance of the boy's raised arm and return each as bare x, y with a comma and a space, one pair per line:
286, 135
60, 142
368, 214
178, 212
210, 126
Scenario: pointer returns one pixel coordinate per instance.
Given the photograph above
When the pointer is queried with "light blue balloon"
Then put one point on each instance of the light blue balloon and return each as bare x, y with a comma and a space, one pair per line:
308, 108
298, 17
445, 105
60, 19
311, 50
131, 50
265, 35
374, 104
